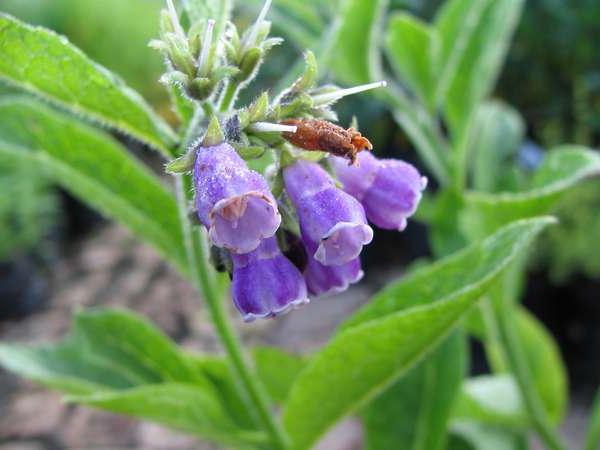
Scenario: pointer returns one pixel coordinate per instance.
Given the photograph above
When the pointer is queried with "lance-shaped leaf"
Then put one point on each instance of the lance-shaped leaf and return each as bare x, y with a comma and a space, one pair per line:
117, 361
107, 350
46, 64
94, 168
413, 414
475, 38
412, 47
181, 406
354, 56
364, 359
561, 169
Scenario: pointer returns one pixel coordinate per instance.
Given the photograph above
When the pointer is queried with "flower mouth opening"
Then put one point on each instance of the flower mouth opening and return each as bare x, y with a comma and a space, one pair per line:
343, 243
240, 222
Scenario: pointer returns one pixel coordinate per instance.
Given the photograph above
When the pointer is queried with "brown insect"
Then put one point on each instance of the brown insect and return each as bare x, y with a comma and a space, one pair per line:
320, 135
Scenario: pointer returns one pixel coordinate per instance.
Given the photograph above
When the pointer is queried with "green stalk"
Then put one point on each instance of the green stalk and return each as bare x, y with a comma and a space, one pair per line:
204, 280
229, 94
513, 349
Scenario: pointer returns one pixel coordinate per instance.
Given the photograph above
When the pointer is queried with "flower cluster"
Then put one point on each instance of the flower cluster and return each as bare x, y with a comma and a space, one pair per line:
297, 231
242, 216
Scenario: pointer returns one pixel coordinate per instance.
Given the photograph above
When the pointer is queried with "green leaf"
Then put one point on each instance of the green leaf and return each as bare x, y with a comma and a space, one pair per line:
493, 400
545, 364
354, 57
118, 361
475, 38
561, 169
411, 46
108, 349
46, 64
363, 360
497, 135
277, 370
414, 412
593, 433
180, 406
94, 168
470, 270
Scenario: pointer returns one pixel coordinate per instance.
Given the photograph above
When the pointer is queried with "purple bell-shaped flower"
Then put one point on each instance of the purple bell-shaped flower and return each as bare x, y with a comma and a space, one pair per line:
233, 202
332, 223
389, 189
265, 283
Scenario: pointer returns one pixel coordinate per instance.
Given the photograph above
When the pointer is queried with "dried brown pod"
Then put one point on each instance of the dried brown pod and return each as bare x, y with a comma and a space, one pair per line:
320, 135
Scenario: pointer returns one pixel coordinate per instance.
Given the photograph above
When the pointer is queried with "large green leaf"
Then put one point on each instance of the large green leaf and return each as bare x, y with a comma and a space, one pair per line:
414, 412
95, 168
412, 46
561, 169
47, 65
593, 433
181, 406
364, 359
470, 270
475, 38
116, 360
355, 57
108, 349
493, 400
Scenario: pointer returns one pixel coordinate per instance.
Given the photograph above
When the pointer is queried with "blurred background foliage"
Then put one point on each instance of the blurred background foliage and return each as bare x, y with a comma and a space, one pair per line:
552, 78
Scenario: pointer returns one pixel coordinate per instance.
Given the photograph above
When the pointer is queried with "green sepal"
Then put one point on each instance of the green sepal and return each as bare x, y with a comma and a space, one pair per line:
214, 134
183, 164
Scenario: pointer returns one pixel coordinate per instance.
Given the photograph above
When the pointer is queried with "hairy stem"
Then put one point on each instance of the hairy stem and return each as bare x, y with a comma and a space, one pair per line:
228, 97
203, 277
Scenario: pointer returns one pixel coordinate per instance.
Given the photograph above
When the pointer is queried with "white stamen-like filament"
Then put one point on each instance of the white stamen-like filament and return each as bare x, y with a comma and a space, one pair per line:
266, 127
336, 95
206, 45
175, 19
256, 27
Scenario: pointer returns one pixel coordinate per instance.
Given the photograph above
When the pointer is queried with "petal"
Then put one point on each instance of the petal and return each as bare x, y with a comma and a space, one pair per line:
266, 284
357, 179
323, 280
394, 195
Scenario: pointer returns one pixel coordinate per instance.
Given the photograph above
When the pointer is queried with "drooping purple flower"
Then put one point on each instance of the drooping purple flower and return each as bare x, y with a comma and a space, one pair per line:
322, 280
233, 202
332, 223
265, 283
389, 189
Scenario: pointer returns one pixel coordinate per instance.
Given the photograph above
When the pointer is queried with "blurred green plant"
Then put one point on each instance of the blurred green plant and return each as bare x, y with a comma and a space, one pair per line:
402, 358
28, 207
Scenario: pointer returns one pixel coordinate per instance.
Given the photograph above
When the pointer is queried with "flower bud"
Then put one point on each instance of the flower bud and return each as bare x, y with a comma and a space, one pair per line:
389, 189
265, 283
233, 202
332, 223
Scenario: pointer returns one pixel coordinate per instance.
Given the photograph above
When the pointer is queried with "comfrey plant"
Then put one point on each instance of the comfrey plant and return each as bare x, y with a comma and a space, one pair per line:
271, 207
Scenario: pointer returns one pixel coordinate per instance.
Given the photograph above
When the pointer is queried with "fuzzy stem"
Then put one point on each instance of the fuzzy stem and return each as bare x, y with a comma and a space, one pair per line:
204, 280
228, 97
